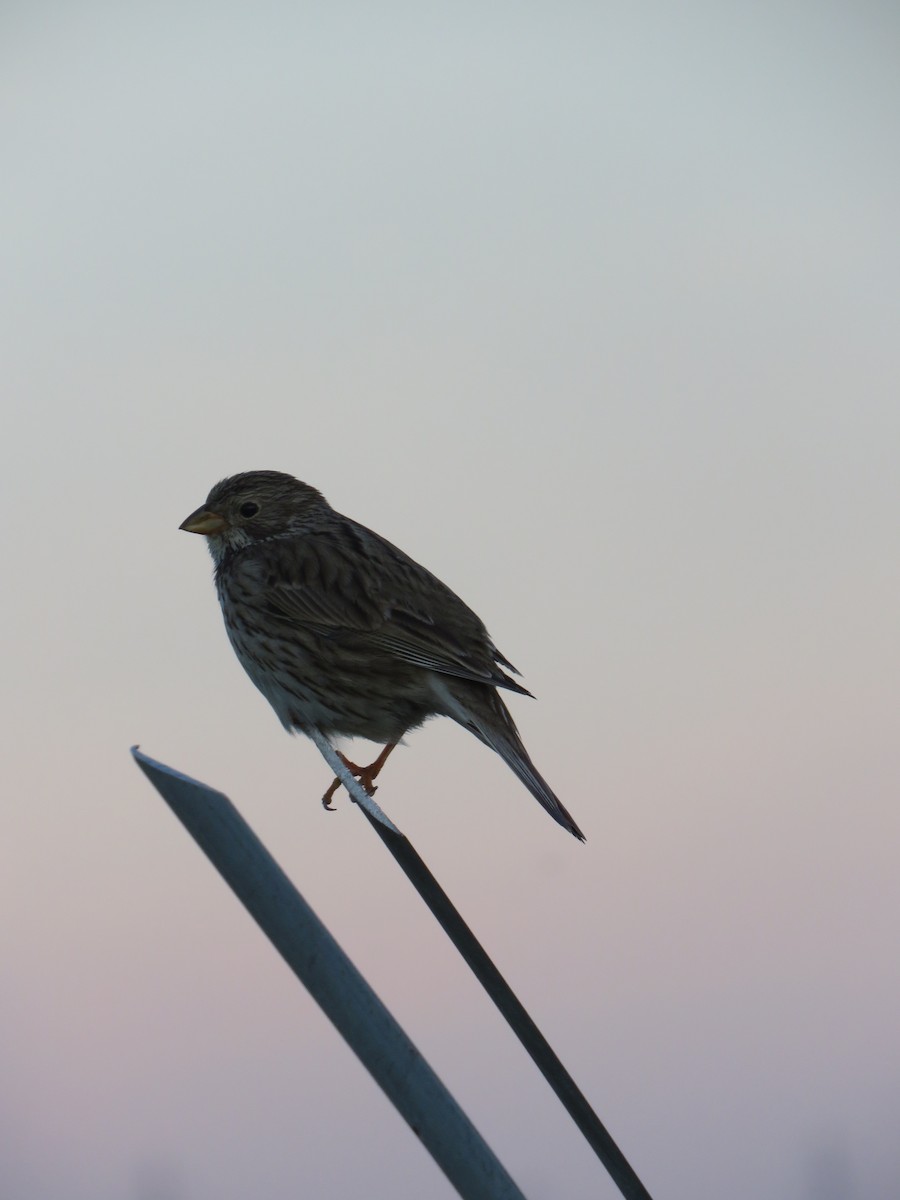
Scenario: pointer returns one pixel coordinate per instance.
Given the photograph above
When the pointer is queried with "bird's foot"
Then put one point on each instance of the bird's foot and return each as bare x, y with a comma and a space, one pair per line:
365, 775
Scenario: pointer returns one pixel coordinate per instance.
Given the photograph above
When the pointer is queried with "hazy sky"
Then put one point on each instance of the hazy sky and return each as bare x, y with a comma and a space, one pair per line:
594, 310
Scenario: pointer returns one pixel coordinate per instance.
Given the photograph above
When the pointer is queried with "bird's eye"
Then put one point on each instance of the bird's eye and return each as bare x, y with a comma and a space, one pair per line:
249, 509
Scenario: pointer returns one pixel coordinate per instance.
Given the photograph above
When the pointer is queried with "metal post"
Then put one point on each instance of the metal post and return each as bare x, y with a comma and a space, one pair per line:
544, 1057
334, 983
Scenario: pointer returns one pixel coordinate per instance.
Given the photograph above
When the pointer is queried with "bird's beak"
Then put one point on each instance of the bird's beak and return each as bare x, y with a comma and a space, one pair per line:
205, 522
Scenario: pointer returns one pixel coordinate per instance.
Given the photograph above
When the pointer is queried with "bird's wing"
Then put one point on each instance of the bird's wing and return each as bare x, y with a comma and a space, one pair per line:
360, 587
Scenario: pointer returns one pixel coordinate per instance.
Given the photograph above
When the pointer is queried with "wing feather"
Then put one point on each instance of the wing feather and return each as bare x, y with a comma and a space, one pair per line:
347, 582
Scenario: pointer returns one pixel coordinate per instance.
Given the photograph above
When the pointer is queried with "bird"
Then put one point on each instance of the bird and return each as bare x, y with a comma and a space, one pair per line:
346, 635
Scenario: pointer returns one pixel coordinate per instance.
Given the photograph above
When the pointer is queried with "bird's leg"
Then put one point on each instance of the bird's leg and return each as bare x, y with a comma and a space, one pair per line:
371, 771
365, 775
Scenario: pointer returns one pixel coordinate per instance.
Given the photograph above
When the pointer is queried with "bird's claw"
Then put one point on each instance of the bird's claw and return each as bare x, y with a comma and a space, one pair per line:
326, 799
365, 775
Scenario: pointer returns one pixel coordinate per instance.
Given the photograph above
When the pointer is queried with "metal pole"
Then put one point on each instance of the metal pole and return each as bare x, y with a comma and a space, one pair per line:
334, 983
443, 909
542, 1053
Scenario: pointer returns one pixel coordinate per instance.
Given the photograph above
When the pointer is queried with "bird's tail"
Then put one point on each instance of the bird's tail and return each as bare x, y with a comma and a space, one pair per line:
482, 712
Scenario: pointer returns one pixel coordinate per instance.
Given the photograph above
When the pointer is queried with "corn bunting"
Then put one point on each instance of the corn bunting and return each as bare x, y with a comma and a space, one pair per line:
344, 633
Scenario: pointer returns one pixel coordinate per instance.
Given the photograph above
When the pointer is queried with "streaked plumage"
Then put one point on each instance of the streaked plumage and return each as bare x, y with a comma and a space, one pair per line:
343, 632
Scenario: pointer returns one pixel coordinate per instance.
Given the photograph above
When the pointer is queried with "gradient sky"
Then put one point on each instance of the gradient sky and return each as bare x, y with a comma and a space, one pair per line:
594, 310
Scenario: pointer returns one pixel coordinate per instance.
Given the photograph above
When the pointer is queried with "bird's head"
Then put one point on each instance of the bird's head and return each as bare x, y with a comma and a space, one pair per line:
255, 507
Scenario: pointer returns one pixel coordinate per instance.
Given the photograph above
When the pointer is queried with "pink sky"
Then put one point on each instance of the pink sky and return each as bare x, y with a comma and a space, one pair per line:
594, 314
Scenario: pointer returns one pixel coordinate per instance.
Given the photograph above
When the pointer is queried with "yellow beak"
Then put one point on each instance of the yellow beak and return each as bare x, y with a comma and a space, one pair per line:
205, 522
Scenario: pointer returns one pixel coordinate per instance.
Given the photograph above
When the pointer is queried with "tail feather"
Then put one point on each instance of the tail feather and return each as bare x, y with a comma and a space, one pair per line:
516, 757
482, 712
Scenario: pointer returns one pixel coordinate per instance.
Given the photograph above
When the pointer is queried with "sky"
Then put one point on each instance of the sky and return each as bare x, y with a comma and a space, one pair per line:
593, 310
